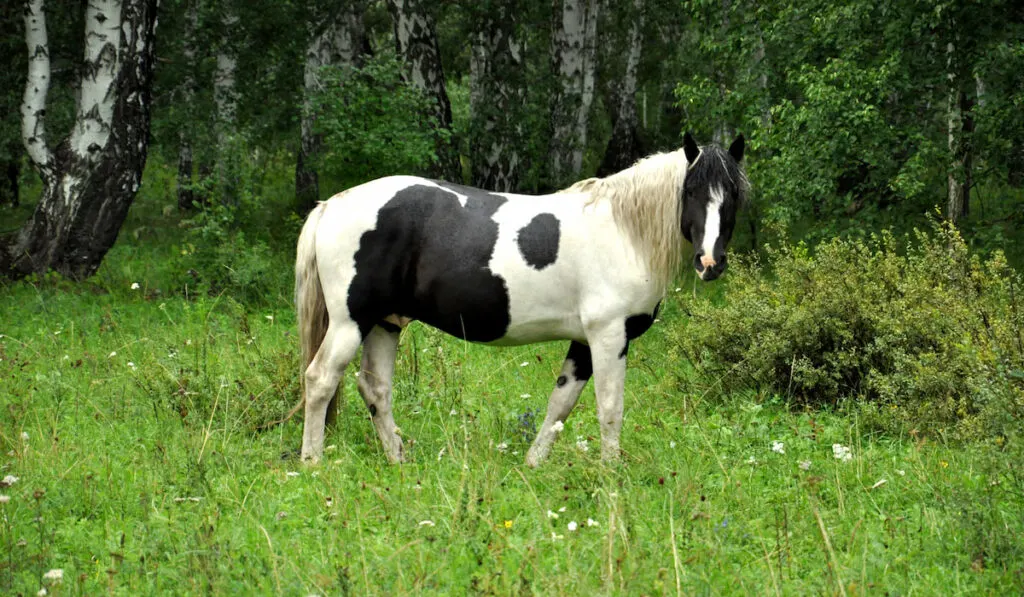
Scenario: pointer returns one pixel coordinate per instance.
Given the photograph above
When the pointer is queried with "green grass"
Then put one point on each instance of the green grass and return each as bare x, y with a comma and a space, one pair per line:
154, 478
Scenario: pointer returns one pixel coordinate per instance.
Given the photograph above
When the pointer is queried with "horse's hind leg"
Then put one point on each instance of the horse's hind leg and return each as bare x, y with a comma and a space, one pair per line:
379, 351
576, 370
322, 377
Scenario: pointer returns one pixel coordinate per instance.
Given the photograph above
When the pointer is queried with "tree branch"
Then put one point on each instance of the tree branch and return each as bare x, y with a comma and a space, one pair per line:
37, 85
98, 93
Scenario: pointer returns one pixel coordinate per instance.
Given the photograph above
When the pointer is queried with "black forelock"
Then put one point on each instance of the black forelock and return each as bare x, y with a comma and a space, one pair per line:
716, 167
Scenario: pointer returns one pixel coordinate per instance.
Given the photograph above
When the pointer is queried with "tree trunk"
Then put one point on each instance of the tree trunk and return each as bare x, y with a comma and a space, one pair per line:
225, 97
572, 56
416, 41
624, 147
186, 194
956, 201
335, 39
497, 98
90, 179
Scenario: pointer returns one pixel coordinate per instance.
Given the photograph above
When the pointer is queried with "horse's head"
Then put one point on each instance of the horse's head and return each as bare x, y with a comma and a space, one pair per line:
715, 187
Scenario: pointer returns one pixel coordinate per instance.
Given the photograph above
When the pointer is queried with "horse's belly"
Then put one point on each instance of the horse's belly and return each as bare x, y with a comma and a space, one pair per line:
541, 329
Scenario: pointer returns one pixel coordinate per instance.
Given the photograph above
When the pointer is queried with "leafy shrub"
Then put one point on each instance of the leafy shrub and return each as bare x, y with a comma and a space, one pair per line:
373, 122
236, 239
929, 337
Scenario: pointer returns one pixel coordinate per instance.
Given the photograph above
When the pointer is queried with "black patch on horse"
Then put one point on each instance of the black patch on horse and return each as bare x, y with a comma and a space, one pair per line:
538, 241
636, 325
583, 367
427, 259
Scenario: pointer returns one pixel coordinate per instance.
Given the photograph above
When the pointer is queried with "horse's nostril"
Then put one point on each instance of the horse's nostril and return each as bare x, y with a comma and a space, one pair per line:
707, 261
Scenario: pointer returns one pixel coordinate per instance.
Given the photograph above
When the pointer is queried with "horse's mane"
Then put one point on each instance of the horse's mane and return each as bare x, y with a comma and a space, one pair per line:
645, 200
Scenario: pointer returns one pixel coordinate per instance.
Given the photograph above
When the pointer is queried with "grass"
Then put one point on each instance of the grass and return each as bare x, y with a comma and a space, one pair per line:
131, 420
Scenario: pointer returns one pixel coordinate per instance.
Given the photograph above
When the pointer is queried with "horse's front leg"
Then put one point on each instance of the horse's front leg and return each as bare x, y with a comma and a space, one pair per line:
608, 348
576, 370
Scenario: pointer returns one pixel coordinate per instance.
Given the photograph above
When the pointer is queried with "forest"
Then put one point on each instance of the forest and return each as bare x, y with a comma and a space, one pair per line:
842, 412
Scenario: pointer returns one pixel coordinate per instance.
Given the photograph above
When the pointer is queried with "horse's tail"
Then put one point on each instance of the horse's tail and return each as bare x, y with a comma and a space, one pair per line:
311, 310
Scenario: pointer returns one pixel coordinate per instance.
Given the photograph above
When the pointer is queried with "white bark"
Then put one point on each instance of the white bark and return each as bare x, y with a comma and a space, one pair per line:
33, 107
573, 54
955, 193
97, 96
224, 91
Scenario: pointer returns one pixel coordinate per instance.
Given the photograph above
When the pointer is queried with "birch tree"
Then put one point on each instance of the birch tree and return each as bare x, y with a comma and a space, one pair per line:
90, 178
416, 42
336, 37
186, 196
624, 147
496, 97
573, 61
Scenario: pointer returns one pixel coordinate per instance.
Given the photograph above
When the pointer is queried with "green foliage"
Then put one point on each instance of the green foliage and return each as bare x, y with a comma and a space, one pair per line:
929, 338
373, 123
241, 238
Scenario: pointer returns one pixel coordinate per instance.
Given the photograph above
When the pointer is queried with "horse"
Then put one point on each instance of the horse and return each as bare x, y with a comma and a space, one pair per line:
589, 264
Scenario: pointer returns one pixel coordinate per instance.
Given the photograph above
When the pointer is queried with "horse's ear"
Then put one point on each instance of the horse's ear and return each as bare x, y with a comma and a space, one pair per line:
736, 149
690, 149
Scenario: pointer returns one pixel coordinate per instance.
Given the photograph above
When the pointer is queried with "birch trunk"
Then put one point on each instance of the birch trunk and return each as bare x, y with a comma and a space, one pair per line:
624, 147
186, 195
955, 200
497, 99
224, 91
416, 42
91, 178
336, 39
573, 60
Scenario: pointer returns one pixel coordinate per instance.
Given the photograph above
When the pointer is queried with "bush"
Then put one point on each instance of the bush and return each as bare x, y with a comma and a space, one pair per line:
927, 338
373, 122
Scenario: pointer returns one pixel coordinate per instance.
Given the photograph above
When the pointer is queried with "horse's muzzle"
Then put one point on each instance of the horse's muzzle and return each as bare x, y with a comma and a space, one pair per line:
709, 268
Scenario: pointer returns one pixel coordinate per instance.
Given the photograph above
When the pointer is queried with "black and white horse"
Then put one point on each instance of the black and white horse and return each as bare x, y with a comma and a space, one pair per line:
589, 264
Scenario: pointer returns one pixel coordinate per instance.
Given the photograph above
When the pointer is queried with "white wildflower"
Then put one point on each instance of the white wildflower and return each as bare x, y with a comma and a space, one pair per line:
778, 447
426, 523
751, 460
330, 448
572, 526
591, 522
292, 474
4, 498
841, 452
131, 365
672, 444
552, 514
556, 537
805, 465
562, 509
524, 363
453, 412
56, 575
135, 285
270, 318
42, 592
581, 444
112, 355
502, 447
525, 396
9, 480
24, 436
557, 427
901, 472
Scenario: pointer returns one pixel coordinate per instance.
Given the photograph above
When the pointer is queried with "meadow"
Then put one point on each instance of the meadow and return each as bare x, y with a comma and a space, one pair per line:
139, 457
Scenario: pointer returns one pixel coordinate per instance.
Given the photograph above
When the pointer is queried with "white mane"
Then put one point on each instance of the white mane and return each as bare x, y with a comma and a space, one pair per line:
646, 205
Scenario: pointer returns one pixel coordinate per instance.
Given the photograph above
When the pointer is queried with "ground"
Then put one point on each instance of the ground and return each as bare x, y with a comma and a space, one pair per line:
130, 421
